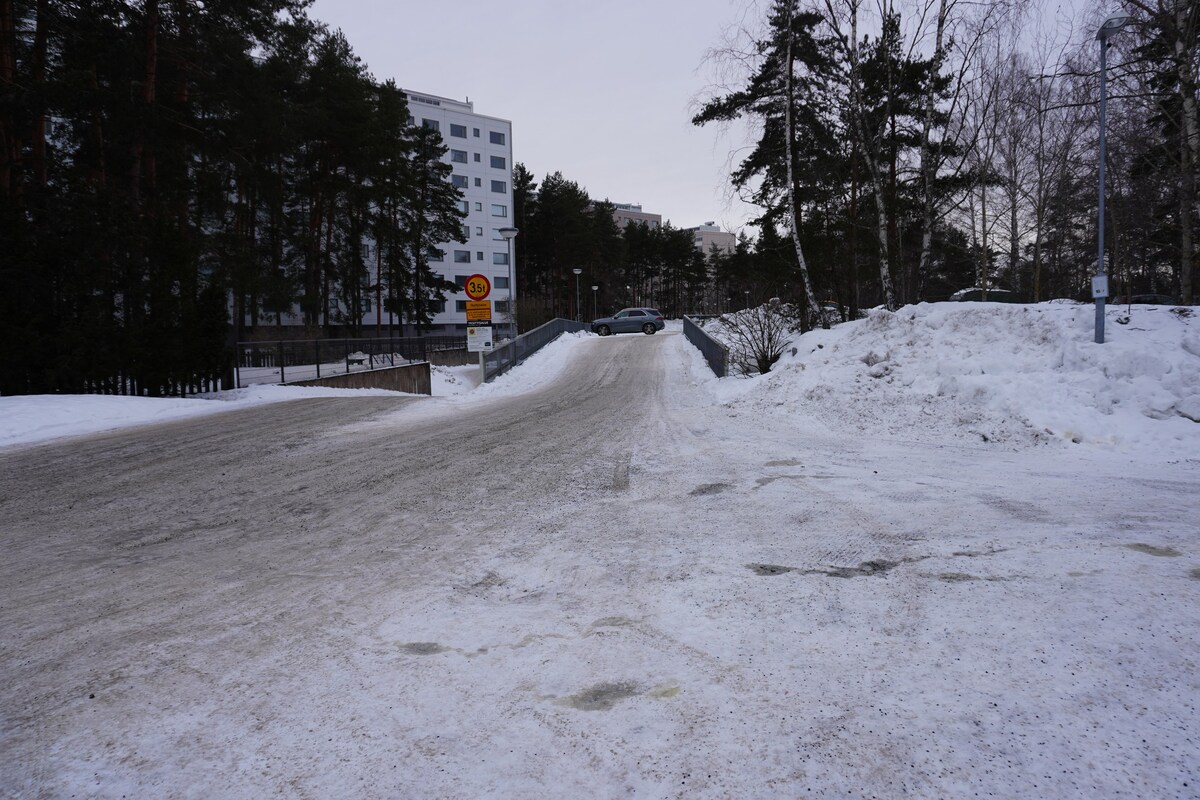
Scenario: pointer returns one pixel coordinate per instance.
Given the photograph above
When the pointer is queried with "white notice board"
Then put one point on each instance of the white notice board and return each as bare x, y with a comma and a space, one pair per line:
479, 340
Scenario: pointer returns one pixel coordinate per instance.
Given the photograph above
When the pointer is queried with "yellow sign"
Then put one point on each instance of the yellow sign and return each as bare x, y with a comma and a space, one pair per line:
479, 311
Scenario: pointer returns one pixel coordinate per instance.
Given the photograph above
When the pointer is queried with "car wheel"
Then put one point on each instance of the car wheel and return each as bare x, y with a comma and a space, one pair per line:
648, 328
603, 330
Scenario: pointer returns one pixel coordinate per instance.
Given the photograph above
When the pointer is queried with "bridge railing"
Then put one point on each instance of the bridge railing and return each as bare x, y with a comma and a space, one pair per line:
715, 353
506, 356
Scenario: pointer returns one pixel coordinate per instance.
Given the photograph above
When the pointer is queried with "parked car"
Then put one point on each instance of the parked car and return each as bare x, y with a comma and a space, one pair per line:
630, 320
993, 296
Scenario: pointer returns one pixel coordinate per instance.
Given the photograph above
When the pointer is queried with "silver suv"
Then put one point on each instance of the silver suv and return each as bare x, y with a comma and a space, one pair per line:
630, 320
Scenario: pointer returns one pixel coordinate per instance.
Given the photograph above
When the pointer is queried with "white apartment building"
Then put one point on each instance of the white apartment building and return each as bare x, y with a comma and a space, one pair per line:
706, 235
481, 155
626, 214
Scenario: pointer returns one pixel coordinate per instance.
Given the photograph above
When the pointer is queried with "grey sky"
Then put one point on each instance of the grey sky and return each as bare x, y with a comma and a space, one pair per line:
600, 91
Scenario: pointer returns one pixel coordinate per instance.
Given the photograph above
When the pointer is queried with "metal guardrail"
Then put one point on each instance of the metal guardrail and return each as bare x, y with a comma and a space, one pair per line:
506, 356
715, 353
304, 359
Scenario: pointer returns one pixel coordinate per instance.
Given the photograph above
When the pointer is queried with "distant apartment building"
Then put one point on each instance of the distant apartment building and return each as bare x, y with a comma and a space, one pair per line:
709, 234
625, 214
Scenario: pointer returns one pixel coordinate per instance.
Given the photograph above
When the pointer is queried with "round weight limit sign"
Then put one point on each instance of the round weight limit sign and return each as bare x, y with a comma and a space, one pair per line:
478, 287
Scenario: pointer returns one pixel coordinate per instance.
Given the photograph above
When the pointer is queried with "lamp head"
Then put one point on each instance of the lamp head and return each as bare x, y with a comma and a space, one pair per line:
508, 233
1112, 25
577, 271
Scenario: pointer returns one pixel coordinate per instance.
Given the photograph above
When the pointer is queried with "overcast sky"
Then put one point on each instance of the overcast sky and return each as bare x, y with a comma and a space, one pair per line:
599, 91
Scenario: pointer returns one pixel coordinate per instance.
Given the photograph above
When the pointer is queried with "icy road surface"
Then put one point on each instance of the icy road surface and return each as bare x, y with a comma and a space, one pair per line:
608, 586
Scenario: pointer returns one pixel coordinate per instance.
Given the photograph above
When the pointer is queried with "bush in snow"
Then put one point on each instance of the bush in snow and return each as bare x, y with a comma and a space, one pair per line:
757, 337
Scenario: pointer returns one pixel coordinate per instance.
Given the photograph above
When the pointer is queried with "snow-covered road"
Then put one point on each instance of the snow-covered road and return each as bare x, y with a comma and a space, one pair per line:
608, 586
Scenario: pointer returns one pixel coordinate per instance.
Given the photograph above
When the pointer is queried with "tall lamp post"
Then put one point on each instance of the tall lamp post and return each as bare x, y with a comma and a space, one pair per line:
594, 290
509, 234
1100, 282
578, 313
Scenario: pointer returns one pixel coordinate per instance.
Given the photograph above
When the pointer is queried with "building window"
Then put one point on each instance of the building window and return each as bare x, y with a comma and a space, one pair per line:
500, 282
433, 125
499, 210
496, 237
500, 258
461, 280
501, 306
476, 132
460, 306
458, 156
479, 181
479, 231
479, 255
364, 305
466, 233
500, 187
477, 159
462, 205
462, 256
459, 180
436, 254
437, 306
495, 137
498, 162
458, 130
366, 250
479, 206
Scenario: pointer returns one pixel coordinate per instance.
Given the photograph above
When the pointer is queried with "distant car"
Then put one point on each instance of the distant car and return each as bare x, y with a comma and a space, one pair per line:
993, 296
630, 320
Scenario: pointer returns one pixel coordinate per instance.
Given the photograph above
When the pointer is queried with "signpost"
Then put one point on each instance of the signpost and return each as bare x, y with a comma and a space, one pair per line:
479, 319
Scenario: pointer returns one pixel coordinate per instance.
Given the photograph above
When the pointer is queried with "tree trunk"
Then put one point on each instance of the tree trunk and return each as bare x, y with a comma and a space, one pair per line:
10, 146
1190, 152
814, 308
927, 166
984, 260
40, 41
870, 147
1187, 202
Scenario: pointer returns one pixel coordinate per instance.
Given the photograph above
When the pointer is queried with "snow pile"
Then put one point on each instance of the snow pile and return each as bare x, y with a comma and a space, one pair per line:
1020, 374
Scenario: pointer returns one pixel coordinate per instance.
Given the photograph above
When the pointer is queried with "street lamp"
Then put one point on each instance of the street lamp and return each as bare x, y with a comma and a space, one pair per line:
747, 293
509, 234
594, 314
578, 313
1100, 283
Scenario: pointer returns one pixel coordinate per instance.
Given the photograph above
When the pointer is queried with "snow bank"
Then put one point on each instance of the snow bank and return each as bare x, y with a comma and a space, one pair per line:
1020, 374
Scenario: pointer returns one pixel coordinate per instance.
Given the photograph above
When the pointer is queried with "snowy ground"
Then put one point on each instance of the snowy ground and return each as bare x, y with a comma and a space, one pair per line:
950, 551
39, 418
